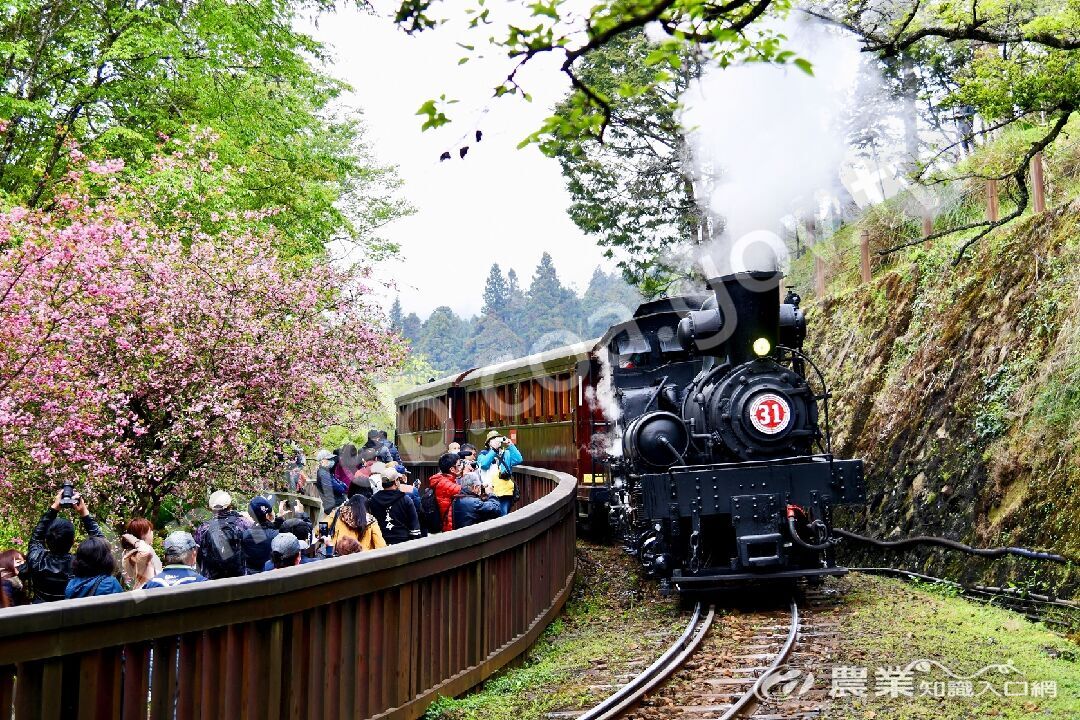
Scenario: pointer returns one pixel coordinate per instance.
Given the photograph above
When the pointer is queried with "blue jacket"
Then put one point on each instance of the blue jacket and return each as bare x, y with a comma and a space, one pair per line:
511, 457
173, 575
79, 587
256, 544
469, 510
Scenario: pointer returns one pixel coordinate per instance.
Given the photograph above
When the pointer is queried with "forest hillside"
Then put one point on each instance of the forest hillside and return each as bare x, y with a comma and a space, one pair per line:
959, 382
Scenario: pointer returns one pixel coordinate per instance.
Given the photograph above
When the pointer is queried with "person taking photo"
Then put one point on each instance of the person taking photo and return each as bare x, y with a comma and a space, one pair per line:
497, 462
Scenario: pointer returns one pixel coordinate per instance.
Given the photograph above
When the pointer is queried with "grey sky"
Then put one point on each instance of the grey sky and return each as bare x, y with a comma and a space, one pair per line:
499, 204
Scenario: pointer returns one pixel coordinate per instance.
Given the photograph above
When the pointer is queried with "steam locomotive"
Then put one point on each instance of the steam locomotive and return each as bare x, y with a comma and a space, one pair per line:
693, 428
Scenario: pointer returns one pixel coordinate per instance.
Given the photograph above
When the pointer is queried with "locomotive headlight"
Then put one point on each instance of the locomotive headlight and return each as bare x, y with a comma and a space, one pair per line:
762, 347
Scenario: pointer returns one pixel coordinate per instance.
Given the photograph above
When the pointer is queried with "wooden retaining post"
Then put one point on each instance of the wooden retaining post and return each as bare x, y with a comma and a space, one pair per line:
819, 277
864, 255
992, 211
927, 226
1038, 184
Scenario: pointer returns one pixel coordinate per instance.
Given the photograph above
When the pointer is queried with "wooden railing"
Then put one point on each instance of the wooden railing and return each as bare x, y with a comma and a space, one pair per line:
380, 634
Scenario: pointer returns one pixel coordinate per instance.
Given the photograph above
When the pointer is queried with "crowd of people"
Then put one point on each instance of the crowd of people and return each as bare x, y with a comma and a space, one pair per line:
367, 502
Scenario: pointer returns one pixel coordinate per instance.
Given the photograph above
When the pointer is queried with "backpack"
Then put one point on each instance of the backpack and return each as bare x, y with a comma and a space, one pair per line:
430, 517
221, 553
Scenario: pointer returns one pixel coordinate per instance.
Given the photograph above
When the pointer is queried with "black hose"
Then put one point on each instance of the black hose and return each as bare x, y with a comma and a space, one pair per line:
951, 544
802, 543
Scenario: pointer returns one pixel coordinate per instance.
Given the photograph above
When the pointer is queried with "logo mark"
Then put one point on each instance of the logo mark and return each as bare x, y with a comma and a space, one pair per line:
783, 682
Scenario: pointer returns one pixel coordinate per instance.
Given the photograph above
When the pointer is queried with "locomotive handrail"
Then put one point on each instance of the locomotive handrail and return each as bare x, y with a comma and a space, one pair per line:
377, 634
824, 397
790, 460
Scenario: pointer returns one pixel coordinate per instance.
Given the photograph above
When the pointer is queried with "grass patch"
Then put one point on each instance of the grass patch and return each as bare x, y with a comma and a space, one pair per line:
890, 623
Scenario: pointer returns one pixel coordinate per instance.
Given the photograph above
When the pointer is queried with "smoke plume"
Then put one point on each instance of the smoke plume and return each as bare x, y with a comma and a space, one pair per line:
768, 142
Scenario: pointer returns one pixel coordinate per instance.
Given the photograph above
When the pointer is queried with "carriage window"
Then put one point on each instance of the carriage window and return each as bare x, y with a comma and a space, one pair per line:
565, 386
550, 407
502, 404
526, 401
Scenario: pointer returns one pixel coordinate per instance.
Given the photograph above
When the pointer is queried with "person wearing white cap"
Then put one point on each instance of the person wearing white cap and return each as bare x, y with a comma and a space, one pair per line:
220, 540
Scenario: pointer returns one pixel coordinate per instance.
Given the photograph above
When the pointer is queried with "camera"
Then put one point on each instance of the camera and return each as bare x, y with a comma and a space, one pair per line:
68, 498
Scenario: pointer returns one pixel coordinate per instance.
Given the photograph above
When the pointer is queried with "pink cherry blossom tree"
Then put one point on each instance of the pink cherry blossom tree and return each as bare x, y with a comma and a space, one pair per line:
150, 349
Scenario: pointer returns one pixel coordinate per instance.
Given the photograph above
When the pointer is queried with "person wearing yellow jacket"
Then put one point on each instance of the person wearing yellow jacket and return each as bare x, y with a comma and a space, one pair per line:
351, 519
496, 463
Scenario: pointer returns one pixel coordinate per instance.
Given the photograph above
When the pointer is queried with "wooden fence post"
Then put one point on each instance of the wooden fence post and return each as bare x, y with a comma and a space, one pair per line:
1038, 183
864, 255
992, 200
927, 226
819, 277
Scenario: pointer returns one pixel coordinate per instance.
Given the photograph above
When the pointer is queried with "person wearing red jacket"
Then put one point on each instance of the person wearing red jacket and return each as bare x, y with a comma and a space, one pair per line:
446, 486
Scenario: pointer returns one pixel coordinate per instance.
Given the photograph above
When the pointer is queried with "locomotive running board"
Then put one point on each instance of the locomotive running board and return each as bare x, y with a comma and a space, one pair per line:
705, 581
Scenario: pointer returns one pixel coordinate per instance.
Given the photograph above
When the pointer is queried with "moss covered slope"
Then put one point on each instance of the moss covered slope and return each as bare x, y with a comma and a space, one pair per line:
960, 386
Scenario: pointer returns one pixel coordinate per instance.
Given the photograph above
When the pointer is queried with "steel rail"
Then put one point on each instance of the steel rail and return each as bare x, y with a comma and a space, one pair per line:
632, 692
750, 698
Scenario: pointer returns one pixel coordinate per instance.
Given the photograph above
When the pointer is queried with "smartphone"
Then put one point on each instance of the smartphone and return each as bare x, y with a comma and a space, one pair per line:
324, 529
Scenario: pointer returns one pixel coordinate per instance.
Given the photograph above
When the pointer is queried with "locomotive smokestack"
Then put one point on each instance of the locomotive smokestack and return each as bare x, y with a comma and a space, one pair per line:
744, 322
749, 305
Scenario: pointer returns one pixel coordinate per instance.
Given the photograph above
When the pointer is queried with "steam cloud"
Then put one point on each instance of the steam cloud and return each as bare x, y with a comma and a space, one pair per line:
768, 142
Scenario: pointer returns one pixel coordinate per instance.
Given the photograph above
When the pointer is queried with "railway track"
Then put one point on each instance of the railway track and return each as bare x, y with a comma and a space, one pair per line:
758, 664
761, 663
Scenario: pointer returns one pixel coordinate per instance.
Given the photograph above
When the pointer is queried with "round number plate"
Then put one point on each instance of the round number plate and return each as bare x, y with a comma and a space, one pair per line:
770, 413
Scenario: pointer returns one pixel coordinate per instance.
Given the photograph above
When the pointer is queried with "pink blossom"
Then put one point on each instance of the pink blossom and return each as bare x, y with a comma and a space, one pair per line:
146, 353
109, 167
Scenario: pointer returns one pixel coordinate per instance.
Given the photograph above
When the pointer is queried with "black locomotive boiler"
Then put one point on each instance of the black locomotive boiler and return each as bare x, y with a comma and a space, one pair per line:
725, 473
